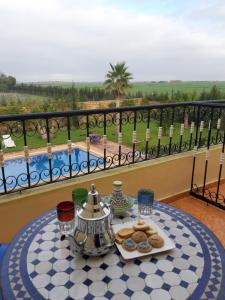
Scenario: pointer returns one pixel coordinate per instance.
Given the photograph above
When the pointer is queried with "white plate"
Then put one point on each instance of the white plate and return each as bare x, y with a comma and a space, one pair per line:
168, 243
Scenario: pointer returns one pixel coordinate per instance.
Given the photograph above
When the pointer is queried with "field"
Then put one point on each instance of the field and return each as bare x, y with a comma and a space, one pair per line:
150, 87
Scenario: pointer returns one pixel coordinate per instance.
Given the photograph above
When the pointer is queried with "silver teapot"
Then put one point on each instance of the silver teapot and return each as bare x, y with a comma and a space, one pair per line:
93, 233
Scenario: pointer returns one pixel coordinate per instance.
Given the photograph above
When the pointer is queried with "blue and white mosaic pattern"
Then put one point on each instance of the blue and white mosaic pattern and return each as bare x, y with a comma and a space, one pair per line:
39, 266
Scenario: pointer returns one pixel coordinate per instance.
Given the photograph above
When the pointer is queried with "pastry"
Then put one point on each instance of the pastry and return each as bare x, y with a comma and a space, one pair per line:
150, 232
125, 232
156, 241
144, 247
118, 239
139, 236
141, 225
129, 245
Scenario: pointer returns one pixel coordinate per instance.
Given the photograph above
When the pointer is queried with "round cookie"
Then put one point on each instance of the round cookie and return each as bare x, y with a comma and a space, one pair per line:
141, 225
118, 239
125, 232
129, 245
150, 232
156, 241
144, 247
139, 236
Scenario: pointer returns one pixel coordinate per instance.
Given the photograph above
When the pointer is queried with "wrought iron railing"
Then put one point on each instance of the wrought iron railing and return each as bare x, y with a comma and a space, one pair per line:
215, 112
97, 140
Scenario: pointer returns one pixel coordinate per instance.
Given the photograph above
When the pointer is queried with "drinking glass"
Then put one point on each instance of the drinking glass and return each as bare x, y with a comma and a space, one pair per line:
145, 202
79, 197
66, 214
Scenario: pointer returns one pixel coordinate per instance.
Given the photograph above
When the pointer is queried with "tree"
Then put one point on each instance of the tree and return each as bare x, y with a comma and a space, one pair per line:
11, 82
7, 83
117, 82
214, 94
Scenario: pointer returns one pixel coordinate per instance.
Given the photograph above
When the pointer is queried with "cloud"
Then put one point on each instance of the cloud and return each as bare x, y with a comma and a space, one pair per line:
76, 40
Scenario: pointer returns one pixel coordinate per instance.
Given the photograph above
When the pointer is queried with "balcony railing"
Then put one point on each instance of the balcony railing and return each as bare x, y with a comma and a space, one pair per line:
120, 136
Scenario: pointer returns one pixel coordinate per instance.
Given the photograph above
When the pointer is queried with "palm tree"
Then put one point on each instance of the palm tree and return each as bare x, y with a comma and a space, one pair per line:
117, 82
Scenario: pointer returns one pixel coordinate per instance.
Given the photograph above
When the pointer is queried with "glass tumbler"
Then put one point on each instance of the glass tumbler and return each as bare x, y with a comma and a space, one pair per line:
145, 202
66, 217
79, 196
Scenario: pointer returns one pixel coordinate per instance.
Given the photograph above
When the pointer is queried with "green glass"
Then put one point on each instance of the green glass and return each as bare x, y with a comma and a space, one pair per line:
79, 196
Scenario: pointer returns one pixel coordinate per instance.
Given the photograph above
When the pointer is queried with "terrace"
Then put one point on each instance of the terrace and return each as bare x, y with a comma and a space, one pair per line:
177, 150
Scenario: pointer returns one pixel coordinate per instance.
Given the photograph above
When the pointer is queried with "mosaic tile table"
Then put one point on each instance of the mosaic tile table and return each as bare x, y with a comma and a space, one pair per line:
38, 265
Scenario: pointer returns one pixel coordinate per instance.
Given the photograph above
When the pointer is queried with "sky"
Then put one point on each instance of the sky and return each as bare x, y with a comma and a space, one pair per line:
70, 40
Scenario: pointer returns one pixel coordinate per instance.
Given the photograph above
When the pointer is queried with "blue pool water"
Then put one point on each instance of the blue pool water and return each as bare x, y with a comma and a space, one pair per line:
16, 170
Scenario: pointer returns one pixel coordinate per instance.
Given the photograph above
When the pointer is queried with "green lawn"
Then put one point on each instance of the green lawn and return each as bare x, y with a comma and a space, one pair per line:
61, 137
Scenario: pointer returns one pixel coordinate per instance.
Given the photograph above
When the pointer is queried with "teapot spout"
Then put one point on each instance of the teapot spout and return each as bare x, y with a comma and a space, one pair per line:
111, 208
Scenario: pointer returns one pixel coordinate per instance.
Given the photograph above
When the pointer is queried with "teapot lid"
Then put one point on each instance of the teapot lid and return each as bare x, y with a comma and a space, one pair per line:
117, 183
94, 208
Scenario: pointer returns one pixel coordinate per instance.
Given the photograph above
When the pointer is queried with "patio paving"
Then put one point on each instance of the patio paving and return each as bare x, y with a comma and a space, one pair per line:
211, 216
111, 147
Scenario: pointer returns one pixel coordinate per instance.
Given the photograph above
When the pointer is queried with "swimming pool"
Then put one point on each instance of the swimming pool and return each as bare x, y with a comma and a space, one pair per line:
16, 169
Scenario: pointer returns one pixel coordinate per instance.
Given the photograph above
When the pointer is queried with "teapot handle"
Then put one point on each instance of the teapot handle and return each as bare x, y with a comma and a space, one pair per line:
76, 232
110, 206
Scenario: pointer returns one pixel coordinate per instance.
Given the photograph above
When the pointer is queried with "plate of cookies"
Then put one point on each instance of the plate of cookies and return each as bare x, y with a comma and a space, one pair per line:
140, 238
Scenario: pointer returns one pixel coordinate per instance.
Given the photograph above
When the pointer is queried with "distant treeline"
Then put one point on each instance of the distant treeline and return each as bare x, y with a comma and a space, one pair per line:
79, 94
99, 93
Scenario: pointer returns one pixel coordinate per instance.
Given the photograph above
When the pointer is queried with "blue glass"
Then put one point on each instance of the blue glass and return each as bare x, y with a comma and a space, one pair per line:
39, 167
145, 201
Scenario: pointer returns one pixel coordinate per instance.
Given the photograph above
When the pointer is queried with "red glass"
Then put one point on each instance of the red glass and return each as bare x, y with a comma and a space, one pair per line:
65, 211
